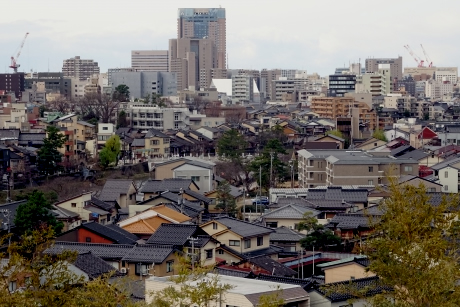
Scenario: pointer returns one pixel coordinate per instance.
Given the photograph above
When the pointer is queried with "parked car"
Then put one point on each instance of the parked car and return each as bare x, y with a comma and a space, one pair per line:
260, 200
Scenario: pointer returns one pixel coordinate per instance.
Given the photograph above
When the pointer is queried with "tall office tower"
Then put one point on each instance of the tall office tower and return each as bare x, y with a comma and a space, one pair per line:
396, 66
78, 68
205, 23
149, 60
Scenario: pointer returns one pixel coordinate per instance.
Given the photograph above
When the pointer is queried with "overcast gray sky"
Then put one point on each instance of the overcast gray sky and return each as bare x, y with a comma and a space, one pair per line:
316, 35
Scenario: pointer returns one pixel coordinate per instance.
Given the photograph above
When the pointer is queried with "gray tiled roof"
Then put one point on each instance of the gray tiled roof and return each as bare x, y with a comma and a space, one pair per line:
445, 163
9, 133
189, 210
170, 184
270, 265
123, 232
157, 133
290, 212
272, 250
197, 196
351, 221
338, 193
107, 232
415, 155
285, 234
104, 251
92, 265
34, 138
175, 234
138, 143
149, 253
229, 272
242, 228
103, 205
113, 188
12, 208
304, 283
64, 213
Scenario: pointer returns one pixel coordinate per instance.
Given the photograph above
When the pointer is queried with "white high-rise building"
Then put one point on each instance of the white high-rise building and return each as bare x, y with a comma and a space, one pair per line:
79, 68
149, 60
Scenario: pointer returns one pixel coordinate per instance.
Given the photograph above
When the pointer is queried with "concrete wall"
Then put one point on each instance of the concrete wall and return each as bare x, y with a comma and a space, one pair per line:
346, 272
448, 177
165, 171
204, 175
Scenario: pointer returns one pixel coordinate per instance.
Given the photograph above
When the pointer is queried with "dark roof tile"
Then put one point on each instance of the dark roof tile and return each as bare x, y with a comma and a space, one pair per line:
92, 265
109, 233
175, 234
244, 229
104, 251
149, 253
270, 265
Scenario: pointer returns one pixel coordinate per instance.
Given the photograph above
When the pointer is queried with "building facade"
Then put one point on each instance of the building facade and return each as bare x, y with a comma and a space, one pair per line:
149, 60
341, 84
79, 68
146, 83
12, 83
242, 88
396, 66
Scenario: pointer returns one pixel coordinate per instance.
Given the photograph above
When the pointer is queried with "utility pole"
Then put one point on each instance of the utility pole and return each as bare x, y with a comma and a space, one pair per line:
181, 200
313, 261
271, 168
6, 214
193, 251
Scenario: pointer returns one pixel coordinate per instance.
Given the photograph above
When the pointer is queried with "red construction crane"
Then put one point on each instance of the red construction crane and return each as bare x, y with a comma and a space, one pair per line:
14, 60
428, 60
420, 62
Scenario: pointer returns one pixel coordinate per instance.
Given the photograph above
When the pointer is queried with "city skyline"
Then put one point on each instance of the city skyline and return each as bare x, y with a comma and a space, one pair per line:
314, 36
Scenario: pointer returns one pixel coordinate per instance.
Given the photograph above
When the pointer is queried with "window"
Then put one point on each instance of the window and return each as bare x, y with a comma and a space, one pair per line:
271, 224
195, 178
142, 269
88, 239
371, 169
260, 241
432, 190
370, 182
408, 168
234, 243
73, 205
154, 142
247, 243
214, 225
169, 266
446, 188
220, 252
105, 128
208, 253
310, 162
12, 286
446, 174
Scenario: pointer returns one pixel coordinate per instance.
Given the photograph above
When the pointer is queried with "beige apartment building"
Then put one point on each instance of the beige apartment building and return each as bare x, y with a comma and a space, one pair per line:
334, 107
344, 167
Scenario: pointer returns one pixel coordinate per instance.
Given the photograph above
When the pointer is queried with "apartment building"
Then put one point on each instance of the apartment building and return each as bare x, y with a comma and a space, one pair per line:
145, 117
341, 84
335, 107
54, 82
242, 89
436, 89
79, 68
12, 83
396, 66
377, 83
343, 167
144, 83
149, 60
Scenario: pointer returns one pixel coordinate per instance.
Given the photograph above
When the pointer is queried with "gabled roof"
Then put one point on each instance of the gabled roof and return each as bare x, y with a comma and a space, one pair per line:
123, 232
157, 133
172, 214
351, 221
331, 136
103, 205
270, 265
407, 178
113, 188
290, 212
92, 265
175, 234
445, 163
231, 251
338, 193
62, 213
285, 234
269, 251
149, 253
138, 143
107, 232
198, 196
242, 228
171, 184
359, 259
104, 251
196, 163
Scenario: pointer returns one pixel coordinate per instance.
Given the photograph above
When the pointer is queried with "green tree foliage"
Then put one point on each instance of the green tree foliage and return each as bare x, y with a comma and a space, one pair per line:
48, 155
273, 299
50, 196
122, 121
45, 280
121, 93
225, 201
414, 248
275, 132
231, 145
379, 135
192, 287
263, 162
35, 214
336, 133
318, 236
109, 154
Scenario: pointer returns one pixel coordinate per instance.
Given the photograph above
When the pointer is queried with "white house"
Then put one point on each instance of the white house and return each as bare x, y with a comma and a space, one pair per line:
447, 173
201, 173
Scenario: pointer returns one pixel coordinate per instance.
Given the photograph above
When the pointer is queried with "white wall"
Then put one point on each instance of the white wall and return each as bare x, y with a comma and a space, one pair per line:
186, 171
449, 182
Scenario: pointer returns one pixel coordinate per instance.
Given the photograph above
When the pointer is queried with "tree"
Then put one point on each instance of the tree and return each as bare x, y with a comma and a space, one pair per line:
109, 154
46, 280
99, 106
35, 214
231, 145
335, 132
265, 164
48, 155
121, 93
318, 236
193, 287
273, 299
122, 121
414, 248
225, 201
379, 135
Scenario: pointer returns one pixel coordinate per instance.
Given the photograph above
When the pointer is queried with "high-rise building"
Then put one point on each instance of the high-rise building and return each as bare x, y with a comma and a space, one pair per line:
12, 83
205, 23
341, 84
396, 66
78, 68
149, 60
146, 83
54, 83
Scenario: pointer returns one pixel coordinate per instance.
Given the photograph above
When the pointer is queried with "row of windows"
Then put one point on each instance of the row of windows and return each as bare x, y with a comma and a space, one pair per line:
247, 243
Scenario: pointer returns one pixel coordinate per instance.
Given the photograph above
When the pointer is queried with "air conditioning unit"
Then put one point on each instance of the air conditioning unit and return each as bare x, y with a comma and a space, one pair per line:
123, 271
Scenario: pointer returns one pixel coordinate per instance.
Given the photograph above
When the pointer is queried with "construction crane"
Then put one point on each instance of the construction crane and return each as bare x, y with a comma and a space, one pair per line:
14, 60
420, 62
428, 60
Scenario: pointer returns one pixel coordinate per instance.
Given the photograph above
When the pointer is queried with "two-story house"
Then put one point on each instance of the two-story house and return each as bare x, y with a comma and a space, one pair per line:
447, 174
121, 192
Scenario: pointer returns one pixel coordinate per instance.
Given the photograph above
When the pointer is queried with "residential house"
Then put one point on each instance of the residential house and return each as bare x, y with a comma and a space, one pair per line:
69, 218
85, 131
416, 181
340, 142
447, 174
88, 266
370, 143
157, 144
287, 238
200, 173
346, 269
104, 132
187, 237
262, 265
91, 232
152, 188
349, 226
164, 170
243, 237
288, 216
119, 191
243, 293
